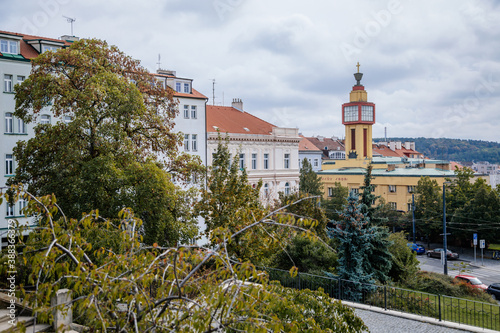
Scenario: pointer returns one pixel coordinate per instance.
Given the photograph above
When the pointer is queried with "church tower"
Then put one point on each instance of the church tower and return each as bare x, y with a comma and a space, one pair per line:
358, 116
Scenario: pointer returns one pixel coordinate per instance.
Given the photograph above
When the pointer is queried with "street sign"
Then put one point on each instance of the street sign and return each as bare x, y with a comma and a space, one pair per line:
482, 244
475, 239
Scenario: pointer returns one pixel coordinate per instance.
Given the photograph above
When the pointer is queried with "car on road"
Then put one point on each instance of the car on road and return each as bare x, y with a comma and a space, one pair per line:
494, 290
436, 253
419, 249
472, 280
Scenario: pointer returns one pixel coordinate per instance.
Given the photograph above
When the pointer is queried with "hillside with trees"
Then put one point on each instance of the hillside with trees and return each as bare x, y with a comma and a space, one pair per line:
455, 149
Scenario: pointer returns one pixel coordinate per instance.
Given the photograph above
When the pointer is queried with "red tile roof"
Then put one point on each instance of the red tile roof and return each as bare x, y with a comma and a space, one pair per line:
230, 120
306, 145
195, 94
27, 51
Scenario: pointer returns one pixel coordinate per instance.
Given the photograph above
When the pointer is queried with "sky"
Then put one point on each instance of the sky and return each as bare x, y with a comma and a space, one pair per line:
431, 67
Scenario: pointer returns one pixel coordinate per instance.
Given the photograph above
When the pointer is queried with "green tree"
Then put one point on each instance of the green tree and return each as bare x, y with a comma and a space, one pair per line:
404, 262
309, 182
367, 197
335, 203
428, 208
108, 155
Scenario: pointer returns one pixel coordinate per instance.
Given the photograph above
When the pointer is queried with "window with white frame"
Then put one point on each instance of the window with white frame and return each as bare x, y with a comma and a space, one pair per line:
21, 126
266, 189
20, 79
242, 161
392, 188
7, 83
8, 123
287, 188
8, 46
9, 164
178, 86
330, 191
316, 162
266, 161
351, 113
22, 203
194, 142
254, 161
186, 142
186, 111
355, 190
186, 88
393, 205
49, 48
193, 112
67, 119
45, 119
408, 207
411, 188
287, 161
10, 210
367, 112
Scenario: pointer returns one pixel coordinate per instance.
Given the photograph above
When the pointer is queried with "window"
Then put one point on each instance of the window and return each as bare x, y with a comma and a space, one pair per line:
186, 88
193, 111
186, 111
287, 161
409, 207
20, 79
7, 83
8, 123
351, 113
7, 46
392, 188
186, 142
45, 119
178, 86
266, 161
242, 161
366, 112
22, 204
49, 48
355, 190
10, 210
254, 161
411, 189
21, 126
393, 205
330, 191
194, 142
287, 188
266, 189
67, 119
316, 162
9, 164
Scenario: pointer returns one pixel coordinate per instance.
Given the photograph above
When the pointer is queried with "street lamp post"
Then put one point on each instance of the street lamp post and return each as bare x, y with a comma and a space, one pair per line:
445, 247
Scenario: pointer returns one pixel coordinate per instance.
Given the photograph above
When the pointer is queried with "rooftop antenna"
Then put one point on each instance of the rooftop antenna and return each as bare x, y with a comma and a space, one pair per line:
159, 61
70, 20
213, 92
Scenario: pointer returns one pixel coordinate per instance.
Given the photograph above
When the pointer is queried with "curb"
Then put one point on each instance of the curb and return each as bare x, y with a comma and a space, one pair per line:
414, 317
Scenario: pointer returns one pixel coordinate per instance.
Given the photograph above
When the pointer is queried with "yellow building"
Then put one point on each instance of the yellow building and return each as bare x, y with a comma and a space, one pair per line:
395, 177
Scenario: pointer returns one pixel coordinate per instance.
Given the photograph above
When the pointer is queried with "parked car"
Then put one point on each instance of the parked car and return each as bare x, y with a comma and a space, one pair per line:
419, 249
472, 280
436, 253
494, 290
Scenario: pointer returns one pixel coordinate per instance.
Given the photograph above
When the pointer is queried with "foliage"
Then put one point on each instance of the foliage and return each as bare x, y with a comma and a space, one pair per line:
404, 263
428, 207
107, 156
309, 182
335, 203
181, 289
455, 149
368, 199
308, 255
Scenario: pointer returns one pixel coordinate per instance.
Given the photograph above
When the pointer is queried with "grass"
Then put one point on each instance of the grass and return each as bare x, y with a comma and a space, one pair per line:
494, 247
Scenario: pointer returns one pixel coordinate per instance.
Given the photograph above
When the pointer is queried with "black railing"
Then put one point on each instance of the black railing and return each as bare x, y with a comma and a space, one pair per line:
458, 310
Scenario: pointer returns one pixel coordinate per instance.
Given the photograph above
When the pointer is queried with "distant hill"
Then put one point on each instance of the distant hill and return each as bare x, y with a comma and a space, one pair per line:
455, 149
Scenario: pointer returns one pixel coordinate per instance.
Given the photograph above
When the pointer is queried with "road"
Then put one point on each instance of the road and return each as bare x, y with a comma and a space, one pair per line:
488, 274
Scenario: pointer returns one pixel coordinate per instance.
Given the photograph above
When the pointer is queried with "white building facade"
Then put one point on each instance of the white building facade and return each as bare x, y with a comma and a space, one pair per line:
267, 152
312, 153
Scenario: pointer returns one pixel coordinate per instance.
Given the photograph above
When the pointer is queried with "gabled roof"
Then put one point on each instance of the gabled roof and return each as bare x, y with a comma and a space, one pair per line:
306, 145
329, 143
195, 94
26, 50
227, 119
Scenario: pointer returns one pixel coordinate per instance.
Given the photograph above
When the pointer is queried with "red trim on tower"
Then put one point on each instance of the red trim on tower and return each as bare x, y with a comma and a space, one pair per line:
358, 88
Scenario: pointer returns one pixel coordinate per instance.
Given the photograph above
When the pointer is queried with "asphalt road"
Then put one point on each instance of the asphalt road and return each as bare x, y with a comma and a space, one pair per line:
488, 274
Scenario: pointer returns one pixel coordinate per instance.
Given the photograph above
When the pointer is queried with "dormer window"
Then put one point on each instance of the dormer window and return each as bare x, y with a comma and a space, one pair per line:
178, 86
186, 88
49, 48
9, 46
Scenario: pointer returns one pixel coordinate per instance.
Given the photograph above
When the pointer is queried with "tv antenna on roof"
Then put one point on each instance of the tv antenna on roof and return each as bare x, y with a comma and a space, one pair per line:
159, 61
213, 92
70, 20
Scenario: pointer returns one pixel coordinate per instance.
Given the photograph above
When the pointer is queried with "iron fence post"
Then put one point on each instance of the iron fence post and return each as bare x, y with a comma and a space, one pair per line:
385, 298
340, 289
439, 302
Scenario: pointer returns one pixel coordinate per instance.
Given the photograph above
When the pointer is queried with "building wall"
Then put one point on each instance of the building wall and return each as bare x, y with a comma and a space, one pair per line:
314, 159
277, 176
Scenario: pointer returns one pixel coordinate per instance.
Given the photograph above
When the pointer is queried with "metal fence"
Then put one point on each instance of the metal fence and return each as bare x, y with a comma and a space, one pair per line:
458, 310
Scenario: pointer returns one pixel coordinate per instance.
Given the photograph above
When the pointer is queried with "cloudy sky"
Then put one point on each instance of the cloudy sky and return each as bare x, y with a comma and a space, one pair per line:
431, 67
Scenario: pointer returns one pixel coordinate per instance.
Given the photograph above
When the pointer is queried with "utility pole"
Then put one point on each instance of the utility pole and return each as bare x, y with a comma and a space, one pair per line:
444, 233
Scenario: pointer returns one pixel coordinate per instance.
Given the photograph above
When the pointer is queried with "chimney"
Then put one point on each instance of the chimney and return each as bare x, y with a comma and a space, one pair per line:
166, 72
69, 38
237, 104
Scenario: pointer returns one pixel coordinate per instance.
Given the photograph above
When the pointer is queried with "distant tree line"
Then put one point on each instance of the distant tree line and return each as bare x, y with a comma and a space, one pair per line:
455, 149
